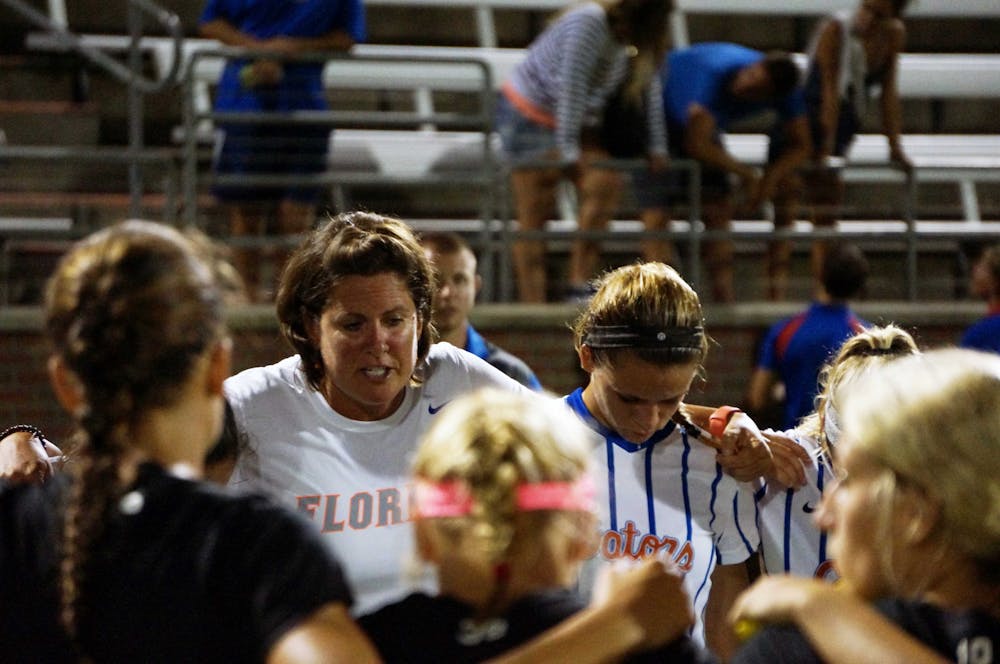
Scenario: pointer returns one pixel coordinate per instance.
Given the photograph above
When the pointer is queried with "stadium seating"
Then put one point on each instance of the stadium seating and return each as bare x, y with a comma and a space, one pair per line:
428, 145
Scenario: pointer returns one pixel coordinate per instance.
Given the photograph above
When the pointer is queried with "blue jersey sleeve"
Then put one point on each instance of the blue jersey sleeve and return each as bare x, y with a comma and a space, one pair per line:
767, 356
983, 335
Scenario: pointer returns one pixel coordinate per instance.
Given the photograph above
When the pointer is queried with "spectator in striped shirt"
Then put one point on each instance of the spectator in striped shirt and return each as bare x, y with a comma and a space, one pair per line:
548, 117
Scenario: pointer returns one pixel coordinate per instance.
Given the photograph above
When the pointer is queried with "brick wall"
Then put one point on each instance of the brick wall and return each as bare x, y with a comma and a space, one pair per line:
539, 335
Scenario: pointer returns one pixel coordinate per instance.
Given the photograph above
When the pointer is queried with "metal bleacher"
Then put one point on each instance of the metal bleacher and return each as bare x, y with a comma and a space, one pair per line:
429, 145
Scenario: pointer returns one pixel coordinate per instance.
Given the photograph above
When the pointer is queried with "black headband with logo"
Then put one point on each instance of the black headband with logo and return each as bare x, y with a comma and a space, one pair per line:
628, 336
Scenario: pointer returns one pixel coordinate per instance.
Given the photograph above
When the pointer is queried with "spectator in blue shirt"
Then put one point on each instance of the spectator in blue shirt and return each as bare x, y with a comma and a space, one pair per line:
706, 88
267, 85
984, 334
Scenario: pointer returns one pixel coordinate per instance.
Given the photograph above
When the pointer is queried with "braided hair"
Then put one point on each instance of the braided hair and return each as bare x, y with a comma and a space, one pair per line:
128, 311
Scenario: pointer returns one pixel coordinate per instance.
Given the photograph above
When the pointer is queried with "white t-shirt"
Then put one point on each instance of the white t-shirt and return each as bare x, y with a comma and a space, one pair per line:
350, 478
790, 541
669, 494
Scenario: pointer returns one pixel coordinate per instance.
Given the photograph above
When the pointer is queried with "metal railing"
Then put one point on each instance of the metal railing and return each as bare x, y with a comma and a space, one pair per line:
696, 233
478, 121
135, 154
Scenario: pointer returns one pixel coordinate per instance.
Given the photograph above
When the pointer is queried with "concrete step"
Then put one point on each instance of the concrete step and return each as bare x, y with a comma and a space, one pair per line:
35, 122
42, 77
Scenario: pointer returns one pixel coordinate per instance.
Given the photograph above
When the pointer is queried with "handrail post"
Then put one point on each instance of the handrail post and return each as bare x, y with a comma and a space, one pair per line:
189, 152
135, 112
694, 216
130, 76
489, 199
57, 12
910, 216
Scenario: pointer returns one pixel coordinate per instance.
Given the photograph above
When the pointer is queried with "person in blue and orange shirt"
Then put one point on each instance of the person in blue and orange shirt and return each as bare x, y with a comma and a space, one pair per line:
796, 348
984, 334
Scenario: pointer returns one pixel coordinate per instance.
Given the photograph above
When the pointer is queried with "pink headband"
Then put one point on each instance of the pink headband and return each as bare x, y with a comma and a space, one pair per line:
444, 499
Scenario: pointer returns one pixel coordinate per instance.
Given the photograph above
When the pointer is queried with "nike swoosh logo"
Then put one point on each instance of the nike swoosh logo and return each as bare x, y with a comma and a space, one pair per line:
433, 411
808, 509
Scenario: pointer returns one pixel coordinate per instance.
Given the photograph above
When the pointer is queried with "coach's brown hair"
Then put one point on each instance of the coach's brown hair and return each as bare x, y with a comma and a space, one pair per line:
352, 243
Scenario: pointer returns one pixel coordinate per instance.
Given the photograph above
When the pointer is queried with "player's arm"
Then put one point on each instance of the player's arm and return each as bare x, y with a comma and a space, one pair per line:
840, 626
726, 428
642, 607
796, 151
27, 456
220, 460
761, 387
745, 452
328, 636
728, 581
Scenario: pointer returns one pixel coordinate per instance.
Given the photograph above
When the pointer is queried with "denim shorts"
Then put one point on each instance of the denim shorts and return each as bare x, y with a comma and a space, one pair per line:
522, 139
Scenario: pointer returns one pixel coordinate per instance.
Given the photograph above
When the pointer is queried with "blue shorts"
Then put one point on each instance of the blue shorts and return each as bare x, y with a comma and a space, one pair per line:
270, 149
522, 139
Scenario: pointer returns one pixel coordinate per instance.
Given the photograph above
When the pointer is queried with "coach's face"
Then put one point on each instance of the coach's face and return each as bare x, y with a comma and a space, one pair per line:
367, 336
633, 397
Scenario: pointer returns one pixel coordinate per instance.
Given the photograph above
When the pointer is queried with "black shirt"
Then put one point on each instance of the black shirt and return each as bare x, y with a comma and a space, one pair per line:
950, 633
421, 628
183, 572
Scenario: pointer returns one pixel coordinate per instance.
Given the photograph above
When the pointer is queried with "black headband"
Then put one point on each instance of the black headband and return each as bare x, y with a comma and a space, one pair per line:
627, 336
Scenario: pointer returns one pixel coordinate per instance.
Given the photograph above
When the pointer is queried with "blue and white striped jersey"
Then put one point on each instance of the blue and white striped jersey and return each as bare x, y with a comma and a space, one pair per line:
790, 541
669, 494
